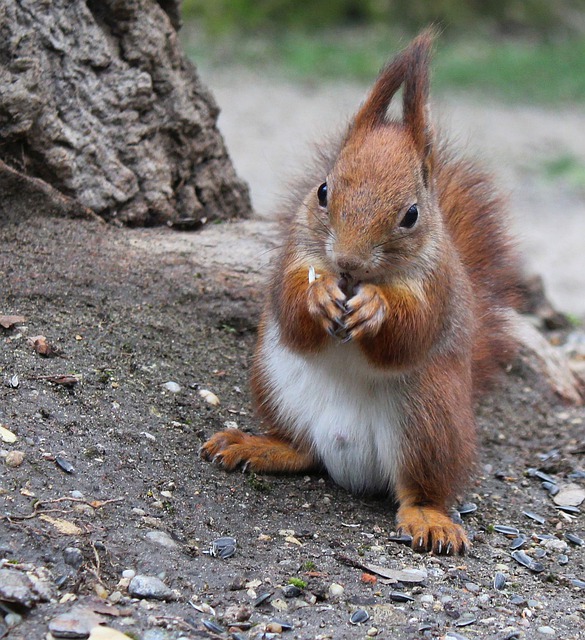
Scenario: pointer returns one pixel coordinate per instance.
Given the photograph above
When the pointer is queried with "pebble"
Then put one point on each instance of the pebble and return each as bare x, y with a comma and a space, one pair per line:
16, 587
372, 632
209, 397
279, 604
76, 623
115, 597
171, 386
471, 586
547, 631
427, 598
336, 590
149, 587
6, 435
100, 591
73, 557
12, 619
571, 495
128, 574
78, 495
14, 458
161, 538
554, 544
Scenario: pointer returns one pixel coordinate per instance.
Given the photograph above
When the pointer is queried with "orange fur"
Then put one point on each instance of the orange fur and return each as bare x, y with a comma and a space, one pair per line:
425, 302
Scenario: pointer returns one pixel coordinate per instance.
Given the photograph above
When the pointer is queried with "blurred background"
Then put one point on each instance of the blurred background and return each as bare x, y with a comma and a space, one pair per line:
508, 85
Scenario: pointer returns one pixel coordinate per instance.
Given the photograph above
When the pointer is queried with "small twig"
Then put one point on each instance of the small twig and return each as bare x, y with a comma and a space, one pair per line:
96, 504
96, 569
350, 562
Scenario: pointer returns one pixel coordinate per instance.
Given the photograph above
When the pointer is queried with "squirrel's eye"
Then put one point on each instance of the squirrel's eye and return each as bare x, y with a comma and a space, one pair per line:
322, 195
410, 217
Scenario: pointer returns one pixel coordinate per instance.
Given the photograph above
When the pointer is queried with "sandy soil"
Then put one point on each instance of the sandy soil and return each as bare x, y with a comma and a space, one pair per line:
131, 310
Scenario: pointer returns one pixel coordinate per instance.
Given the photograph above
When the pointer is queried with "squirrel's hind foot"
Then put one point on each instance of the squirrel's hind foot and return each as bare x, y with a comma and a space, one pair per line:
432, 530
258, 453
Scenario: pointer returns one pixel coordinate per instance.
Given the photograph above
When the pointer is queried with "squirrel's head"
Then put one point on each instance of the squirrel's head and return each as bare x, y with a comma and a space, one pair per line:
375, 211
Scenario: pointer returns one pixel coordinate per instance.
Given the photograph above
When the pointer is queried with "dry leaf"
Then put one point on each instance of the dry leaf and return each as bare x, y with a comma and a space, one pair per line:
41, 345
7, 322
62, 526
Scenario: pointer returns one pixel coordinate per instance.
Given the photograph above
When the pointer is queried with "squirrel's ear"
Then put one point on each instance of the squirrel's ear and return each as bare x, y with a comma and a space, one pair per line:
373, 112
416, 112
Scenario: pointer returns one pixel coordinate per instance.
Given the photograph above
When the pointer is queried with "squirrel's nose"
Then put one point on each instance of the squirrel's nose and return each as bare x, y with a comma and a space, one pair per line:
348, 264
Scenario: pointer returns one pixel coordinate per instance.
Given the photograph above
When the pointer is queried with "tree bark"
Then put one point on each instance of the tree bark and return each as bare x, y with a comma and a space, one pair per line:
98, 102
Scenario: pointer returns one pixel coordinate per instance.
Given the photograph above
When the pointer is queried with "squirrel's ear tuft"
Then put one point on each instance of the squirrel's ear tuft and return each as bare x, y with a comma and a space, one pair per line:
416, 96
411, 68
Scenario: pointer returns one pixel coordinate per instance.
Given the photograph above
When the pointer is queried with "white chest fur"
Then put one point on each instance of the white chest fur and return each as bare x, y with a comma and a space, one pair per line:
349, 411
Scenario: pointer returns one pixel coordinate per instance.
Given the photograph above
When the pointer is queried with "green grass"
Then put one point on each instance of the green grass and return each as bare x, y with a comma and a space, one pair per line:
566, 168
543, 72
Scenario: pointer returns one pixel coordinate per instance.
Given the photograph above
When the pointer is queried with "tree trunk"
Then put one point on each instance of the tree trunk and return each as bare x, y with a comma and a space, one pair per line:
101, 113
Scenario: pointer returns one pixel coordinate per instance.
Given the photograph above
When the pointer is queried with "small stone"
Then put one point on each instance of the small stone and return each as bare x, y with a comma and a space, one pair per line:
274, 627
427, 598
78, 495
6, 435
571, 495
128, 574
14, 458
563, 559
336, 590
372, 632
100, 591
115, 597
161, 538
76, 623
279, 604
73, 557
472, 587
209, 397
554, 544
12, 619
149, 587
17, 587
173, 387
547, 631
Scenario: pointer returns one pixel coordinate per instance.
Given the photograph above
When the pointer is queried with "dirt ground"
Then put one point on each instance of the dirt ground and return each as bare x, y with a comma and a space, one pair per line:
132, 310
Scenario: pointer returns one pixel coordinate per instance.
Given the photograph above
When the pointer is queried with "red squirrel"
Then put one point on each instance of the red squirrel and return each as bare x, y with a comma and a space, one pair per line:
386, 316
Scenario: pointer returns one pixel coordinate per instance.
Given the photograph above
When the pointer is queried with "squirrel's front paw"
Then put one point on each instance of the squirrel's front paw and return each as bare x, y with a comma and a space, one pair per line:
366, 312
326, 303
